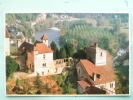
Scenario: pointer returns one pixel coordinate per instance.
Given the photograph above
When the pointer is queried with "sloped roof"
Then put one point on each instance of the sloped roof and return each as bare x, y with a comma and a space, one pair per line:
42, 48
83, 84
102, 70
89, 66
44, 37
26, 46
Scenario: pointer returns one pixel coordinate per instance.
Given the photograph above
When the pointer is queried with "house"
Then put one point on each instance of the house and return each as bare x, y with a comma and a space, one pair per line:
94, 75
121, 51
126, 62
7, 42
38, 58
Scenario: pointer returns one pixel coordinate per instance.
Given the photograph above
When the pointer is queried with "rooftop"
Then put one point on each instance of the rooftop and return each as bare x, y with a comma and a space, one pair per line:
44, 37
101, 70
83, 84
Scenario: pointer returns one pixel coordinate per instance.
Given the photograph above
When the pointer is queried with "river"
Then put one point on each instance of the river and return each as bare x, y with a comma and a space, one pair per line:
53, 34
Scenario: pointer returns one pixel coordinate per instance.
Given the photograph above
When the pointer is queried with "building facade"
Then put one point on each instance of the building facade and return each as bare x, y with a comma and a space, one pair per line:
38, 58
94, 74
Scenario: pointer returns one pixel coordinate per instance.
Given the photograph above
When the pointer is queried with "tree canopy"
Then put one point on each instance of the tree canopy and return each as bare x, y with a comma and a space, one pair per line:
11, 66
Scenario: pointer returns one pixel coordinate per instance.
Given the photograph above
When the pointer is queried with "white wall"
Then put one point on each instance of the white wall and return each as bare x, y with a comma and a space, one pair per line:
100, 60
40, 60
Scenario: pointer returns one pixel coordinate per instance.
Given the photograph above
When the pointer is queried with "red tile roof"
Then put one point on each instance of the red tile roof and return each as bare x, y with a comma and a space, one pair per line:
7, 34
44, 37
83, 84
42, 48
102, 70
89, 66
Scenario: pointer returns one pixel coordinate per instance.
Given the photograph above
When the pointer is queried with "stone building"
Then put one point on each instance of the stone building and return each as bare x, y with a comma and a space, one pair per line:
7, 43
38, 58
95, 76
96, 55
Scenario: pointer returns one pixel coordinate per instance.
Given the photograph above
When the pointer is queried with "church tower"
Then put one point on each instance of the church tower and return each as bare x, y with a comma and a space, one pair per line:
44, 39
96, 55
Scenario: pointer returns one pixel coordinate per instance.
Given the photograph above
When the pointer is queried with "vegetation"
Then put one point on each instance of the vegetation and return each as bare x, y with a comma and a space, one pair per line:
122, 73
11, 66
55, 49
56, 84
68, 82
80, 54
65, 52
122, 83
81, 34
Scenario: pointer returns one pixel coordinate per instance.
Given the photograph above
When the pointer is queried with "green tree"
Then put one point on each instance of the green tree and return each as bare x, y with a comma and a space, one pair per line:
82, 54
62, 53
38, 81
69, 49
11, 66
55, 49
117, 28
17, 82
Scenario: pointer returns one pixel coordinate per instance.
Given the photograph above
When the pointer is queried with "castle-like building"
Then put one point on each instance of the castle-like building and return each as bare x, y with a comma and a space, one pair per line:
93, 74
38, 58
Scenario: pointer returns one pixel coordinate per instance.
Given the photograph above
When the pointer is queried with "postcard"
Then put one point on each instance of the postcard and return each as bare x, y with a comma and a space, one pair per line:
61, 54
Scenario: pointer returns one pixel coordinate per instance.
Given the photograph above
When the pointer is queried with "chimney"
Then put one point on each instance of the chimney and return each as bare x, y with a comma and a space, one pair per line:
94, 76
96, 44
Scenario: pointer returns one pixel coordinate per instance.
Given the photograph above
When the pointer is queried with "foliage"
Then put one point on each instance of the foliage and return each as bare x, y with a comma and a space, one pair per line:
122, 83
11, 66
55, 49
67, 82
17, 82
62, 53
69, 49
80, 54
38, 81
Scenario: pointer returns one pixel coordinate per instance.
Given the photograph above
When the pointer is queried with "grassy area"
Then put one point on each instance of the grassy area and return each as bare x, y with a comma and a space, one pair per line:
13, 49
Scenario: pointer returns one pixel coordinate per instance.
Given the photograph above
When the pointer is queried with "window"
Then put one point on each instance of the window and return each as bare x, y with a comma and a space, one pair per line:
44, 64
42, 73
79, 71
111, 85
44, 56
98, 76
101, 53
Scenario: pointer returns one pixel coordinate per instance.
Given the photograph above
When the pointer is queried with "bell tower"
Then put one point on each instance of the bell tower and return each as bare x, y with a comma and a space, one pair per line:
44, 39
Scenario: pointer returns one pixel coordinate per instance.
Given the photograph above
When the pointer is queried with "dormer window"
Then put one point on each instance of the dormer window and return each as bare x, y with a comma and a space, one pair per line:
99, 76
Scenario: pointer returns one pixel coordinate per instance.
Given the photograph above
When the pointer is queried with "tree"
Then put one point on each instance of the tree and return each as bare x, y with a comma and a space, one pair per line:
11, 66
38, 81
69, 49
55, 49
17, 82
117, 28
82, 54
62, 53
